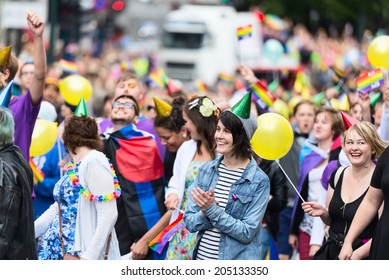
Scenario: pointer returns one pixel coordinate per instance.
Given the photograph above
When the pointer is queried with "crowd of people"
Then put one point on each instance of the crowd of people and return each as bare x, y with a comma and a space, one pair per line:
144, 155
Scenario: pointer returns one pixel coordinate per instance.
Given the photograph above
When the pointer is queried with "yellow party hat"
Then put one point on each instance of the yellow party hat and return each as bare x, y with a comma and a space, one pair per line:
163, 109
4, 55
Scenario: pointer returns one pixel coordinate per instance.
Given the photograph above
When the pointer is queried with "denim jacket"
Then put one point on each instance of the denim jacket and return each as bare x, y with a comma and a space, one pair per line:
240, 222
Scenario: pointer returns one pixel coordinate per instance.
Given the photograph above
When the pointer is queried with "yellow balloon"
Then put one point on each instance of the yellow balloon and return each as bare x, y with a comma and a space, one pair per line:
273, 138
74, 87
279, 106
378, 52
44, 137
293, 102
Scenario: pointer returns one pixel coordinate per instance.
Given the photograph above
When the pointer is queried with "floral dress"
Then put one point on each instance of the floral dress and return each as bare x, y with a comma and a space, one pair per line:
49, 245
183, 242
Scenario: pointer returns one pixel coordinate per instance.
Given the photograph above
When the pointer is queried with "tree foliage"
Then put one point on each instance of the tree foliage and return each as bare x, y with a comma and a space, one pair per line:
328, 14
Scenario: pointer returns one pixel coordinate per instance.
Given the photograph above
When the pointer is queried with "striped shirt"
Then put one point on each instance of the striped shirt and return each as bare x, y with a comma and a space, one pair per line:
209, 243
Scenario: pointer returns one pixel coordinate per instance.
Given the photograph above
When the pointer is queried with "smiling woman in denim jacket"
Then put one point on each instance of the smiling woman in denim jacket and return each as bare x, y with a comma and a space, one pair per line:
231, 193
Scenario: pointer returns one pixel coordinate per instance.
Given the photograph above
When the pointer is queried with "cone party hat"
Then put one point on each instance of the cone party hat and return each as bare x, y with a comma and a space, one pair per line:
348, 121
4, 55
6, 94
163, 109
243, 106
81, 108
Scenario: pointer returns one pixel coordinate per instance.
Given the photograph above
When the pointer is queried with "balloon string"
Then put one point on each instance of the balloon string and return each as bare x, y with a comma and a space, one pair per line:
278, 162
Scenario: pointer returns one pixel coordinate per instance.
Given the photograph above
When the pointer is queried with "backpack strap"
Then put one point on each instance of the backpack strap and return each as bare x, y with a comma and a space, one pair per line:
337, 174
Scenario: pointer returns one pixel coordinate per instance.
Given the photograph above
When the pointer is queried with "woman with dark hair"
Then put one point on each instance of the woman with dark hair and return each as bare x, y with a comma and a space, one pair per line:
229, 198
200, 115
169, 124
80, 224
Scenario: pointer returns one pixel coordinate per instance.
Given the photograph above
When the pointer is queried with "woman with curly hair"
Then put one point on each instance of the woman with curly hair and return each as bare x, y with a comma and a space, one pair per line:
80, 223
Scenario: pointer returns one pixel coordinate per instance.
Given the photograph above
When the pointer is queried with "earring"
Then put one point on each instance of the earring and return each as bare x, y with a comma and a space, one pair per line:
184, 135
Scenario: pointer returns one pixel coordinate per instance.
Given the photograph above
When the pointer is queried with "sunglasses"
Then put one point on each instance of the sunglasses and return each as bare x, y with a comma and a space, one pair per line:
127, 105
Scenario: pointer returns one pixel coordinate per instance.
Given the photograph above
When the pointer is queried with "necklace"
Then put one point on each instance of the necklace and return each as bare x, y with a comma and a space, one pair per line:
91, 197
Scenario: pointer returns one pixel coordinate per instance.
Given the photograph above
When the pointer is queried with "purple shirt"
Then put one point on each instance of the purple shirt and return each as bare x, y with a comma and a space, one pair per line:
25, 115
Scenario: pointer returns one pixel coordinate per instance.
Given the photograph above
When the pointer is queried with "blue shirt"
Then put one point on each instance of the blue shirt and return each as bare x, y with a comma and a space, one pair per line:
240, 222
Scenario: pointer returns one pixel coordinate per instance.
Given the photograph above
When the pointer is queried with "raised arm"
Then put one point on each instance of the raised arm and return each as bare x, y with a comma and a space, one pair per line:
36, 26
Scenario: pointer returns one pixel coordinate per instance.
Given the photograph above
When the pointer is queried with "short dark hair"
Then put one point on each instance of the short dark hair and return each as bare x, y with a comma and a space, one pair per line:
241, 143
174, 121
133, 99
81, 131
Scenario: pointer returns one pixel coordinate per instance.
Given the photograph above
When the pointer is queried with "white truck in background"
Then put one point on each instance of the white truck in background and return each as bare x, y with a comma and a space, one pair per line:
199, 42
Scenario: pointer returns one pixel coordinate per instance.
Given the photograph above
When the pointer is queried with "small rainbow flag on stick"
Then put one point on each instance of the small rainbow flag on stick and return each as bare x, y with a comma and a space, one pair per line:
68, 66
370, 81
338, 73
159, 242
37, 172
244, 32
262, 95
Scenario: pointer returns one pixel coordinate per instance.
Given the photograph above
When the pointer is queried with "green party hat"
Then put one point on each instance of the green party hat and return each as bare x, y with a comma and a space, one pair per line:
81, 108
242, 107
4, 55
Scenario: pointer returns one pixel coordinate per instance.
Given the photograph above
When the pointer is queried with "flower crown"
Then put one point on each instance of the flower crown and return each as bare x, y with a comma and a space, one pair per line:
207, 108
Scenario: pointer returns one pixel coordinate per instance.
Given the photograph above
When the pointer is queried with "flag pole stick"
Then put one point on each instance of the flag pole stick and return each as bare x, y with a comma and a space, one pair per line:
179, 210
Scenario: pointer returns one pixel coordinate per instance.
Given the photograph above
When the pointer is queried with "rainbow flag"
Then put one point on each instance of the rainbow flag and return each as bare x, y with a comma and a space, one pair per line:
159, 242
156, 77
68, 66
244, 32
37, 172
262, 95
338, 73
370, 81
227, 79
200, 87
